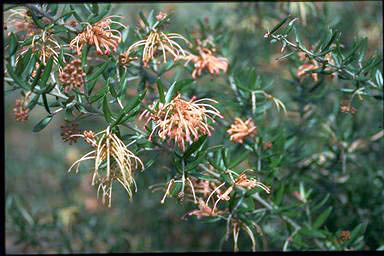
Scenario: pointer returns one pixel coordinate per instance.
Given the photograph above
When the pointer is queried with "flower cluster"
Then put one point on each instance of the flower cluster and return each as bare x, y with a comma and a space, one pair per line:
67, 131
158, 41
302, 70
181, 120
20, 21
20, 110
46, 45
120, 162
72, 76
240, 129
99, 34
206, 60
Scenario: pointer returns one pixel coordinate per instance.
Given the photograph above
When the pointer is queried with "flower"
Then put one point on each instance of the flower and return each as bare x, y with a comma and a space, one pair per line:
161, 16
99, 34
240, 129
204, 210
206, 60
159, 41
72, 76
304, 68
46, 45
120, 162
21, 109
346, 107
302, 71
180, 120
68, 131
250, 183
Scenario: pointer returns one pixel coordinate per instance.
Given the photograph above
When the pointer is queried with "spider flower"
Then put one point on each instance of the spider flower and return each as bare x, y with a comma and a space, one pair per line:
206, 60
240, 129
72, 76
99, 34
46, 45
159, 41
181, 120
120, 163
304, 68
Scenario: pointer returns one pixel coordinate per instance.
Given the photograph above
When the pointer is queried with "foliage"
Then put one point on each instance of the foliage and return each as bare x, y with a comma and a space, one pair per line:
269, 150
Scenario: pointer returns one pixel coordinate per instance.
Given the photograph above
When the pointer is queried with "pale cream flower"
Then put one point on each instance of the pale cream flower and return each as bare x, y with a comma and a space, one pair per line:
158, 41
120, 162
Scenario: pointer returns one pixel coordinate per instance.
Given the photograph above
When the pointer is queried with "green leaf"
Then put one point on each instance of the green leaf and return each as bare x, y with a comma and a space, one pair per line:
100, 94
30, 67
102, 12
47, 71
379, 78
42, 124
275, 28
98, 72
195, 146
175, 88
76, 13
160, 88
279, 195
238, 160
107, 112
111, 88
33, 102
334, 36
21, 64
13, 44
45, 102
125, 111
322, 218
15, 78
141, 14
36, 20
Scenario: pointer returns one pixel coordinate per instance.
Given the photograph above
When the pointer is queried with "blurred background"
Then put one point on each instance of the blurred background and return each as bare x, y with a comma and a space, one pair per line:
51, 211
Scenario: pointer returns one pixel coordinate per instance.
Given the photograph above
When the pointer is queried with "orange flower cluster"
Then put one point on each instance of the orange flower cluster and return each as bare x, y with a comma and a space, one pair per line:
180, 120
99, 34
240, 129
346, 107
304, 68
72, 76
206, 60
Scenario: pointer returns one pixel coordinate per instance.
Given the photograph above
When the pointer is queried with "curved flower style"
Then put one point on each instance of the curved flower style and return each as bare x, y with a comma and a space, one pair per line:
179, 120
46, 45
206, 60
99, 34
120, 162
159, 41
72, 76
240, 129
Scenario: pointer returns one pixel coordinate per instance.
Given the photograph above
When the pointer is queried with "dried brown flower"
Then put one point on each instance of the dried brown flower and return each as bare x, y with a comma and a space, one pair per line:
72, 76
240, 129
180, 120
67, 131
99, 34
